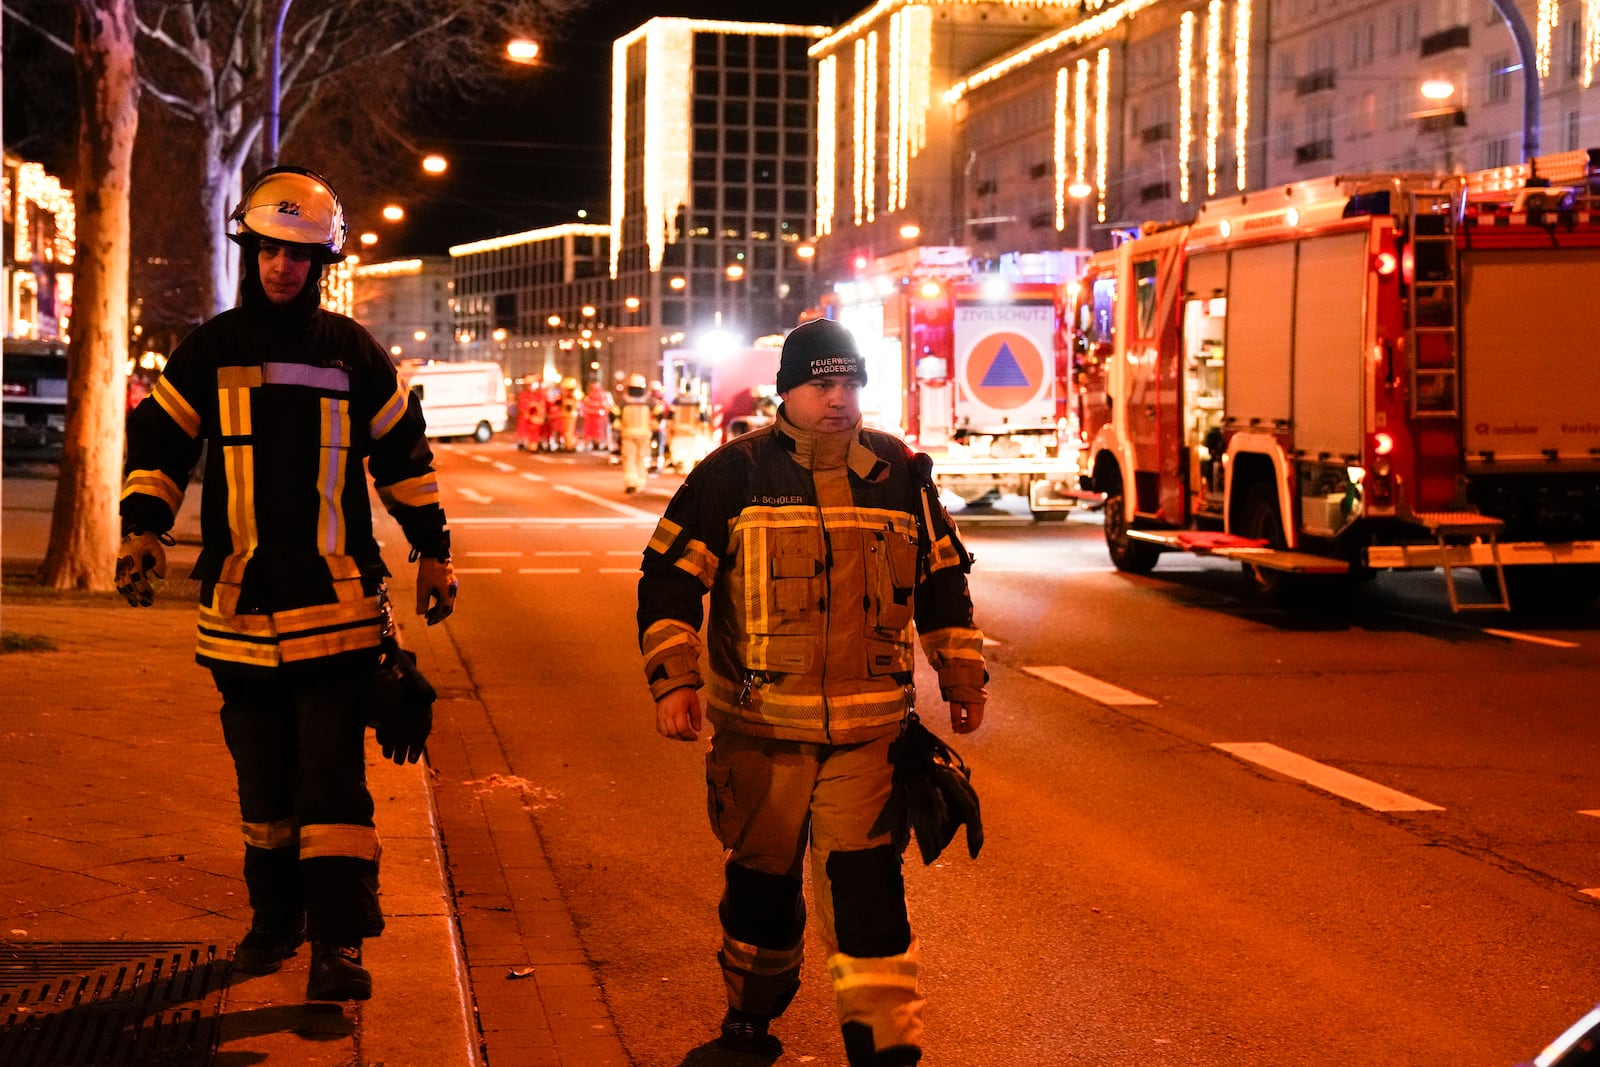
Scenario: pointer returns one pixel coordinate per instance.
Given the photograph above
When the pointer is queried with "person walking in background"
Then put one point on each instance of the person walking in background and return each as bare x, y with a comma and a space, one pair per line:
638, 423
566, 415
824, 549
291, 405
530, 415
596, 413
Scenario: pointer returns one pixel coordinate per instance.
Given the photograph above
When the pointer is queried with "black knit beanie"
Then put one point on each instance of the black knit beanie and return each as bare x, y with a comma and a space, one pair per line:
817, 348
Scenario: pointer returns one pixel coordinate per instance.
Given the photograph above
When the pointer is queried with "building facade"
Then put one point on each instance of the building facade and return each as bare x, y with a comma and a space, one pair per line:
408, 305
541, 303
39, 242
711, 179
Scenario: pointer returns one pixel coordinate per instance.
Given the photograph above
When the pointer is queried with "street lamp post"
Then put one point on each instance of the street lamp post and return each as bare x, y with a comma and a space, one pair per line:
273, 84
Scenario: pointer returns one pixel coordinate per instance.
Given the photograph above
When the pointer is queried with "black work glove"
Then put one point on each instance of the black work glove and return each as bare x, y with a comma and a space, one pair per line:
400, 705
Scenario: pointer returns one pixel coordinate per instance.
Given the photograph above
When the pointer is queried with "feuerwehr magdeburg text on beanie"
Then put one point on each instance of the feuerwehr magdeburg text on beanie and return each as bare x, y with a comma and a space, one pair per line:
815, 349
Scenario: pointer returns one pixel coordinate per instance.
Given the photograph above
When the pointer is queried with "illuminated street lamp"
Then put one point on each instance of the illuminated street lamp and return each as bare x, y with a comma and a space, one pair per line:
1437, 89
735, 271
393, 212
435, 164
631, 303
522, 50
588, 311
369, 239
911, 231
553, 321
677, 282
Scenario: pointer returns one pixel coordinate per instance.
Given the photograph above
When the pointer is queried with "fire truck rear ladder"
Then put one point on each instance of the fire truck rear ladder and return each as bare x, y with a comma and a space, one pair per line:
1434, 268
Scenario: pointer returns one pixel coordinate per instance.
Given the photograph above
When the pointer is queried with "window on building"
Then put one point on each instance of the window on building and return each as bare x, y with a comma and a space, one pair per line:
766, 199
705, 139
767, 86
1574, 130
705, 198
766, 53
735, 141
705, 49
736, 170
797, 86
1497, 153
735, 198
736, 51
705, 83
705, 112
766, 141
1500, 71
1574, 63
735, 113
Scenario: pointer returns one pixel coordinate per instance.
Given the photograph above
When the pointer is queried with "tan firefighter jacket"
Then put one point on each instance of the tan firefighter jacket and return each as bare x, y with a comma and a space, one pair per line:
823, 555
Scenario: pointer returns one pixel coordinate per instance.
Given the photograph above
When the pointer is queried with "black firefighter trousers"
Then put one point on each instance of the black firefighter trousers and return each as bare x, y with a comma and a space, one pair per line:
311, 850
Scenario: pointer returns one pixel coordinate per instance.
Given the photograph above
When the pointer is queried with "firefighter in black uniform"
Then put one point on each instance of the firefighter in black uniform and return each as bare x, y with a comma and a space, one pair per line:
288, 402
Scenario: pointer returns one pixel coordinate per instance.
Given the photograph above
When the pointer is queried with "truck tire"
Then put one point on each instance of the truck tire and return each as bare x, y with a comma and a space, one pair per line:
1127, 555
1547, 590
1259, 519
483, 433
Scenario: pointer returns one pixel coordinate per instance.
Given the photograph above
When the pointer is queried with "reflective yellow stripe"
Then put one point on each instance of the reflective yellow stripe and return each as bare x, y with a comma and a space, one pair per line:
177, 408
699, 561
316, 646
892, 972
335, 447
339, 839
154, 483
238, 467
665, 634
279, 834
667, 532
287, 636
418, 492
389, 414
232, 650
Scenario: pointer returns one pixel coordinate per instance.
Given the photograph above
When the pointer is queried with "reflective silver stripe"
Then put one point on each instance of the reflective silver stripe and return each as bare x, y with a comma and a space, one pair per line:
339, 839
329, 379
279, 834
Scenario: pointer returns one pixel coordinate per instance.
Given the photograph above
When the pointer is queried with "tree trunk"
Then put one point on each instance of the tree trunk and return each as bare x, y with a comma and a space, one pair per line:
218, 195
84, 529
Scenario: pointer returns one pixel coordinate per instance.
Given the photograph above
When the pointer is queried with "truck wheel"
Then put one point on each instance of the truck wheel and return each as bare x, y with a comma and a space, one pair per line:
1547, 590
483, 433
1127, 555
1258, 519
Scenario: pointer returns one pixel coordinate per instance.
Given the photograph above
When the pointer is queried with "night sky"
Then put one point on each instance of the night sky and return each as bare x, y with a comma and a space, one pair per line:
539, 153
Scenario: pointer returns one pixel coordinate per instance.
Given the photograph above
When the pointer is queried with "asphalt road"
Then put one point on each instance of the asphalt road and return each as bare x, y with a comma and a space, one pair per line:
1145, 896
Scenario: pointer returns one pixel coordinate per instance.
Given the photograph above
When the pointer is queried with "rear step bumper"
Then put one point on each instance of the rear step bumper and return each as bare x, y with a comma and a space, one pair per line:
1483, 554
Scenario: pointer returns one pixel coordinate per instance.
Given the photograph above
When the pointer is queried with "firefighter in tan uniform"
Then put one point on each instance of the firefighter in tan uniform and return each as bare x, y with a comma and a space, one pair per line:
824, 549
291, 406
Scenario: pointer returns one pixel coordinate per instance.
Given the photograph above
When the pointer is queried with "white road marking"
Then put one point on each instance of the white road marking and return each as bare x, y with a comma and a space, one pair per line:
502, 466
486, 555
548, 570
477, 570
548, 520
622, 552
619, 570
479, 456
1093, 688
473, 496
1513, 635
530, 476
1363, 791
603, 502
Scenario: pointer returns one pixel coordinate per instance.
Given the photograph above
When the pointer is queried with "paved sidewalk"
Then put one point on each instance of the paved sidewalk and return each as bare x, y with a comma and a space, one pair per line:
119, 842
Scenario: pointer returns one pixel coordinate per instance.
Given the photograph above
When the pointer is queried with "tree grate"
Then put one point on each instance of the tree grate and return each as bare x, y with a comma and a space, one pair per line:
93, 1003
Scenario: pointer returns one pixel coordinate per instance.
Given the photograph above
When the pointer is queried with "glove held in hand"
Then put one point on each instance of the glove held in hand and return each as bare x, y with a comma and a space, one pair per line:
142, 557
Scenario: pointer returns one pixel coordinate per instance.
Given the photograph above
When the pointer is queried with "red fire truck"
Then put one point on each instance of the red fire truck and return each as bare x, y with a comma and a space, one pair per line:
1356, 374
965, 366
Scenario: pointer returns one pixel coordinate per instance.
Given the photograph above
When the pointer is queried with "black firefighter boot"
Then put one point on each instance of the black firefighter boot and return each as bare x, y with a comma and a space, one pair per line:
336, 972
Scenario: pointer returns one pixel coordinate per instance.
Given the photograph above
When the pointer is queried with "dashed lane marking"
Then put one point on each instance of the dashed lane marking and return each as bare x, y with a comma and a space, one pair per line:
478, 570
532, 477
473, 496
488, 522
552, 552
548, 570
491, 555
1513, 635
502, 466
1085, 686
1363, 791
619, 570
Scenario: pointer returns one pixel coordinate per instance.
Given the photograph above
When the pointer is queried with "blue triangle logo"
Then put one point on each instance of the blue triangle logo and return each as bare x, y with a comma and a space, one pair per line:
1005, 372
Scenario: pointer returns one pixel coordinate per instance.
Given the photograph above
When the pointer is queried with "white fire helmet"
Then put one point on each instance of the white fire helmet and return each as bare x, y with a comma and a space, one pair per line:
293, 205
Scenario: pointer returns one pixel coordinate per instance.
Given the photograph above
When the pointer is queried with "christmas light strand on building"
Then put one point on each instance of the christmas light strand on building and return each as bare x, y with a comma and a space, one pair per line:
1088, 29
1102, 127
1241, 91
1062, 102
896, 159
910, 57
40, 191
1080, 122
1213, 90
869, 181
1591, 40
1544, 31
858, 141
1185, 101
827, 141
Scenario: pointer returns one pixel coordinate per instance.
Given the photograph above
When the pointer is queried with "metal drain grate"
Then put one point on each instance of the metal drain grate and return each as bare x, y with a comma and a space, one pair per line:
93, 1003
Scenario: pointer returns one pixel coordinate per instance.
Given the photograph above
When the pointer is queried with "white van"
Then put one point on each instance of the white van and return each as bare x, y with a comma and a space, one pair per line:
459, 399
